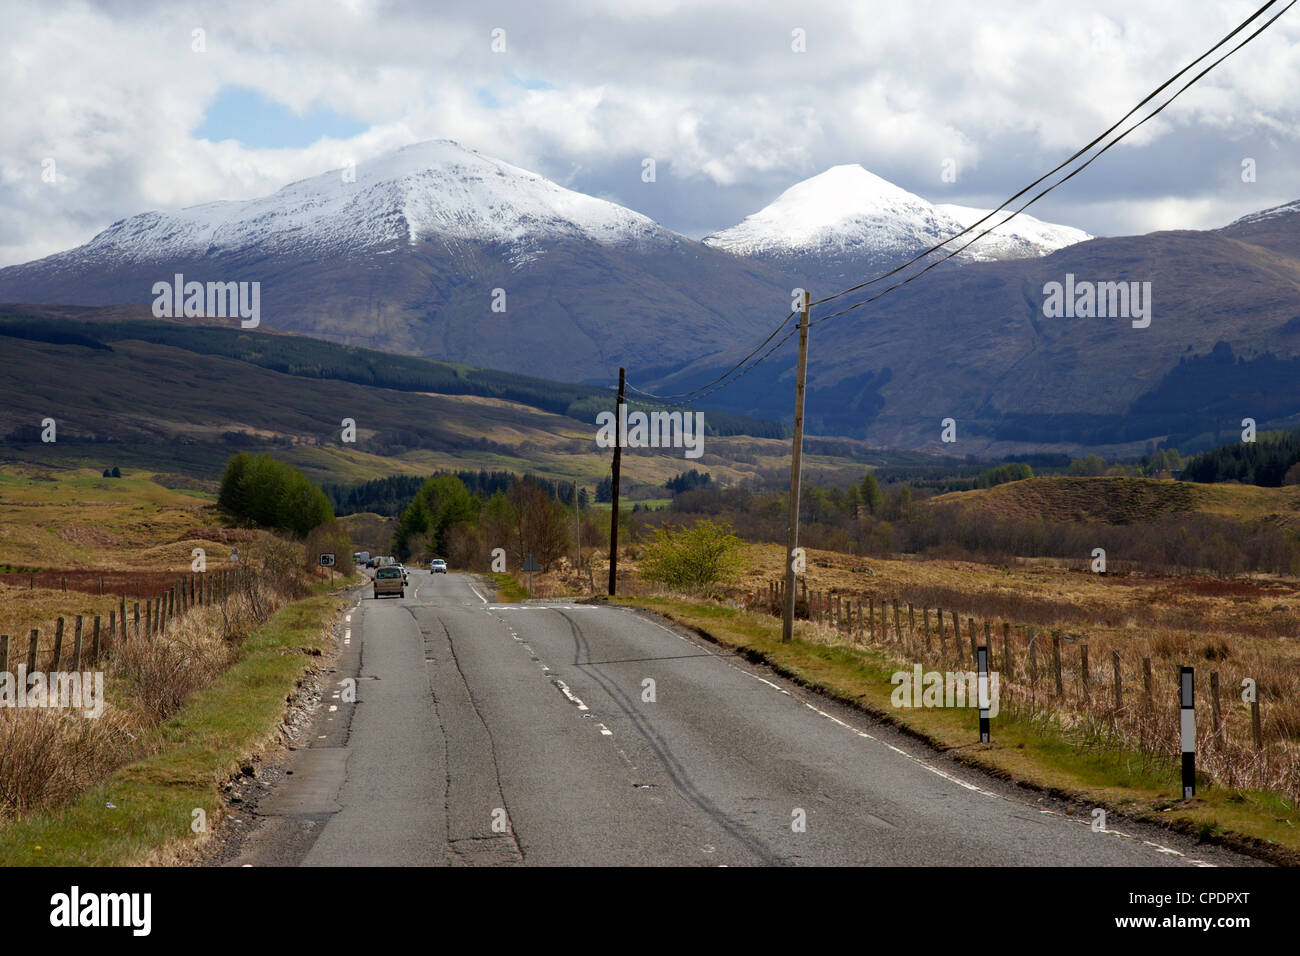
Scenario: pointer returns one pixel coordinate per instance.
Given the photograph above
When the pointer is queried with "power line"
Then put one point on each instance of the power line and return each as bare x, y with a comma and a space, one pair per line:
992, 212
729, 376
693, 391
1063, 180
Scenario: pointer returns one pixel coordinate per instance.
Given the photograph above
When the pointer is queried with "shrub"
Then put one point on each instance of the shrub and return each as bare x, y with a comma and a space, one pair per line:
699, 559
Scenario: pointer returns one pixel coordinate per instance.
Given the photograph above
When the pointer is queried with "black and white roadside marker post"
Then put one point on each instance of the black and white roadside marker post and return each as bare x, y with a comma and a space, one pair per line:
1188, 722
327, 561
530, 565
982, 657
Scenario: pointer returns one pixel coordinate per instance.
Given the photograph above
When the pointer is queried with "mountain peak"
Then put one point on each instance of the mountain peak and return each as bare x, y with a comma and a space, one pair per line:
432, 189
1264, 214
846, 208
849, 211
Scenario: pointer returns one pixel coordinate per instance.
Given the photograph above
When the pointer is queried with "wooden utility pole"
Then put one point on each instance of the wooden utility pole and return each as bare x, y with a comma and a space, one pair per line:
577, 529
796, 463
618, 460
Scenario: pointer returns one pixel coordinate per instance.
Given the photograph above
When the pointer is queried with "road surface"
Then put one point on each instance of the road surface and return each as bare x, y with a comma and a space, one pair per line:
548, 734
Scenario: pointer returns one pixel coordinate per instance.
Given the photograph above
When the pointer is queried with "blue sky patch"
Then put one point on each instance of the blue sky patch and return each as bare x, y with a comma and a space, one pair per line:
246, 115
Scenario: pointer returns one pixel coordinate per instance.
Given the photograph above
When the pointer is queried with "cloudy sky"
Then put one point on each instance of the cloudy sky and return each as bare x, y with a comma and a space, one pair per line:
133, 105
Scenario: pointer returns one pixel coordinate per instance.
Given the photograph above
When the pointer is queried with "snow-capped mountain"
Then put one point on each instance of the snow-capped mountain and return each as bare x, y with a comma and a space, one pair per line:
1022, 238
840, 225
437, 250
844, 210
426, 190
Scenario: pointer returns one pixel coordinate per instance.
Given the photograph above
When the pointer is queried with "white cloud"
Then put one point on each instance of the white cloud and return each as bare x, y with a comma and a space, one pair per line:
711, 90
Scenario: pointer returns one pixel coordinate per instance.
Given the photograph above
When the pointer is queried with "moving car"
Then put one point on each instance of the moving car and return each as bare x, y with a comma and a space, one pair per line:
389, 580
405, 579
437, 566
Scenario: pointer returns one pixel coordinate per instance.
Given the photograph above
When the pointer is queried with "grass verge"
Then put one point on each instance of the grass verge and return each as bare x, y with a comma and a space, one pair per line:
508, 589
148, 807
1039, 755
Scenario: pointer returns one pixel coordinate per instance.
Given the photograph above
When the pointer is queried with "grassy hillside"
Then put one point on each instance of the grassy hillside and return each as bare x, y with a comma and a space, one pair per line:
79, 520
164, 408
1121, 500
304, 357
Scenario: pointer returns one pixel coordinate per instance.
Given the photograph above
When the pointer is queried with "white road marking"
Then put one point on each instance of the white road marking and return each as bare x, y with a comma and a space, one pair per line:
564, 688
480, 597
605, 731
934, 770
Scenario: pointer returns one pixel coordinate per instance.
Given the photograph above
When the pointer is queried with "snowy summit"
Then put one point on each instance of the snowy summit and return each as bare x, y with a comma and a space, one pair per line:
426, 190
850, 210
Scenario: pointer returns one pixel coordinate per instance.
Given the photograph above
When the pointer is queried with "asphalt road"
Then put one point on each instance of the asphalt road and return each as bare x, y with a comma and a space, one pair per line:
488, 734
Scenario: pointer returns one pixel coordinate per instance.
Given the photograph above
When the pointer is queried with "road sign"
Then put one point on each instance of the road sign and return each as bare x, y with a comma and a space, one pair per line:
327, 560
234, 555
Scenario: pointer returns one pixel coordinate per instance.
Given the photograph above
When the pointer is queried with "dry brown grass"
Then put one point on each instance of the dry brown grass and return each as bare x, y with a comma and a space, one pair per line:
48, 756
1149, 621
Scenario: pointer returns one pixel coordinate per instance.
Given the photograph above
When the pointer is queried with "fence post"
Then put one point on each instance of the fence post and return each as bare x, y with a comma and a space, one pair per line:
898, 625
1254, 720
58, 646
148, 618
925, 616
970, 627
1214, 700
1119, 693
1008, 666
4, 653
1056, 663
1083, 665
94, 641
1033, 663
1146, 680
938, 617
860, 631
137, 618
76, 645
31, 655
1187, 714
911, 624
956, 635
